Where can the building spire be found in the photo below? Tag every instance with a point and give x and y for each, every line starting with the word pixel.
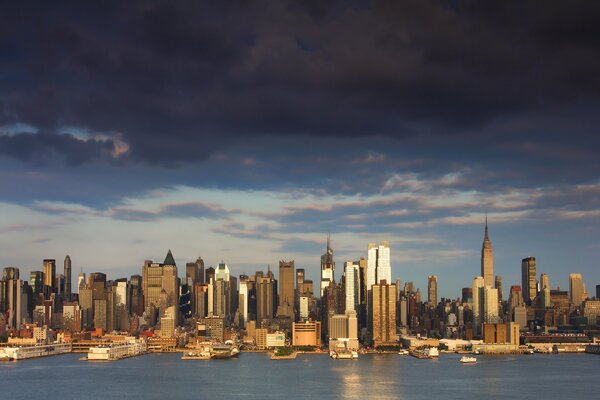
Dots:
pixel 486 237
pixel 328 240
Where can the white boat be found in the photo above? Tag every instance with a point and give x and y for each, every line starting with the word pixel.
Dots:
pixel 343 354
pixel 426 352
pixel 468 360
pixel 403 352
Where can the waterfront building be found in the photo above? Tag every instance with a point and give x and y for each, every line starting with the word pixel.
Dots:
pixel 338 326
pixel 591 311
pixel 494 333
pixel 211 328
pixel 261 338
pixel 487 259
pixel 327 267
pixel 286 290
pixel 432 289
pixel 512 333
pixel 275 339
pixel 167 323
pixel 68 275
pixel 306 333
pixel 384 313
pixel 529 279
pixel 576 289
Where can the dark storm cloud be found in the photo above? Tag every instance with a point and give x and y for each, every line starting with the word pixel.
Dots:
pixel 39 148
pixel 182 80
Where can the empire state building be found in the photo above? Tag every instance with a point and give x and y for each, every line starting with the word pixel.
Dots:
pixel 487 259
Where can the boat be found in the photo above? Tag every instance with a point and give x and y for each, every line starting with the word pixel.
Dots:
pixel 224 351
pixel 426 352
pixel 468 360
pixel 196 355
pixel 343 354
pixel 403 352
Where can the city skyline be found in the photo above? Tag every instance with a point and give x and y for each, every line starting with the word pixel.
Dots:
pixel 315 273
pixel 172 129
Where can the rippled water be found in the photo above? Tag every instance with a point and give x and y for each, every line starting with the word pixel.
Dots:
pixel 166 376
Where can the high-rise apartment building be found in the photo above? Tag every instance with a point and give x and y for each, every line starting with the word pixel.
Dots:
pixel 487 259
pixel 529 279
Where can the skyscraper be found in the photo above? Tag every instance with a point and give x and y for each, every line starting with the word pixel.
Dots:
pixel 378 263
pixel 14 298
pixel 432 289
pixel 50 275
pixel 576 289
pixel 529 279
pixel 498 285
pixel 352 285
pixel 243 300
pixel 487 259
pixel 478 304
pixel 490 304
pixel 286 289
pixel 327 266
pixel 36 281
pixel 265 298
pixel 67 273
pixel 160 284
pixel 384 313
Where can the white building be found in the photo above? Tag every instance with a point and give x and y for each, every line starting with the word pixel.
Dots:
pixel 478 304
pixel 352 283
